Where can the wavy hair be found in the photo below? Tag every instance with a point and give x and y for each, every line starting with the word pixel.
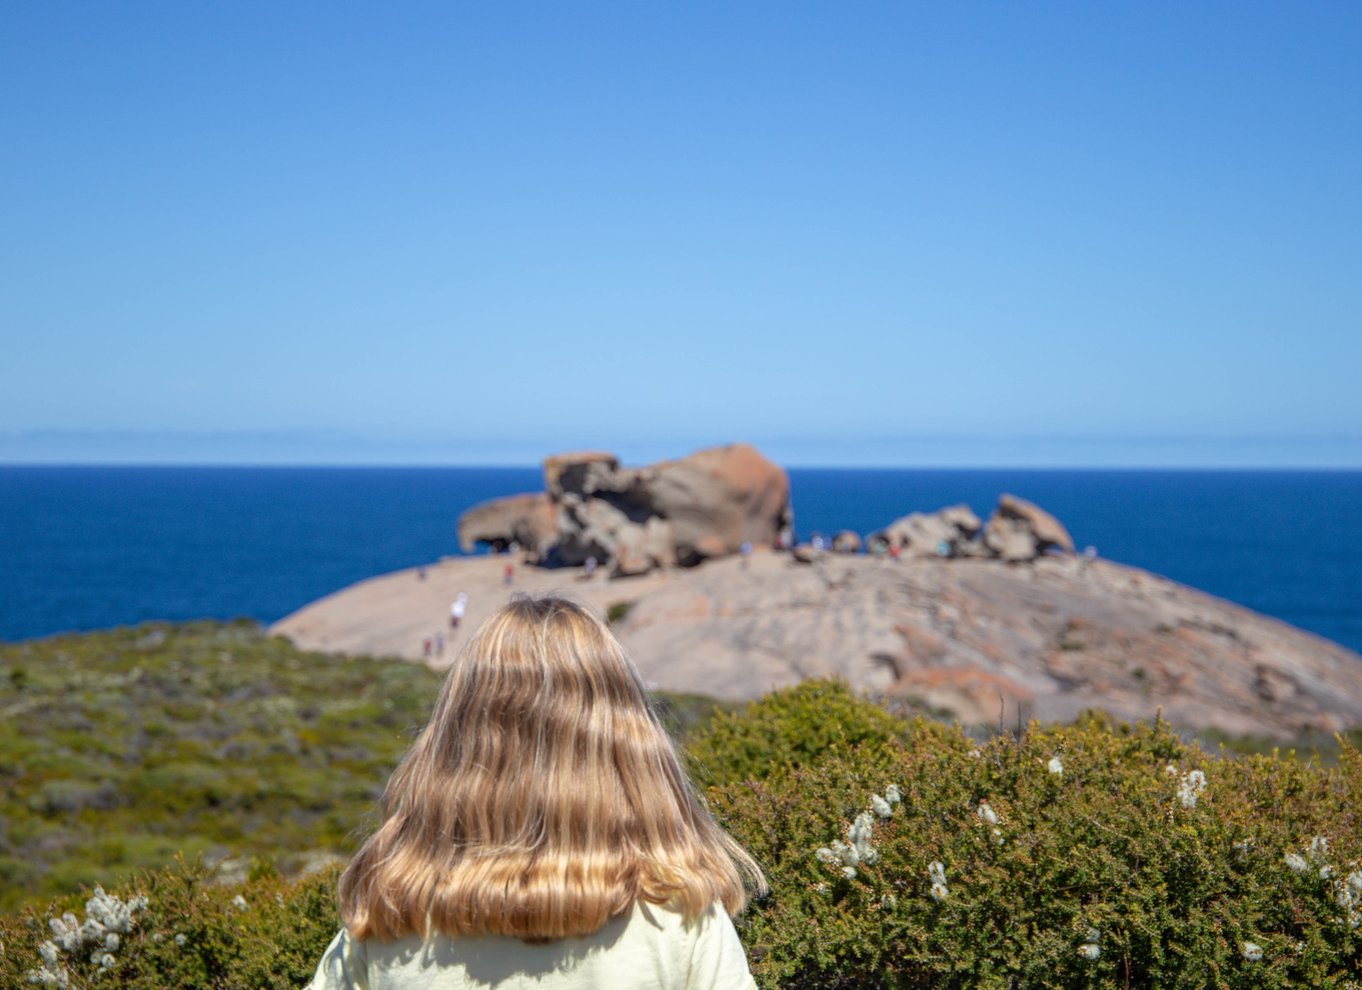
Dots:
pixel 542 799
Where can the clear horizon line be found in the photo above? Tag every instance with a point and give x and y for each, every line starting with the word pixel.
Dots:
pixel 793 465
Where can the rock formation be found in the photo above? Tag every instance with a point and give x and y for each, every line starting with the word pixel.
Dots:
pixel 635 520
pixel 923 534
pixel 526 520
pixel 1019 530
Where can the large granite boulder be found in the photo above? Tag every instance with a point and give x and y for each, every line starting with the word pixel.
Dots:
pixel 636 519
pixel 1019 530
pixel 528 520
pixel 925 534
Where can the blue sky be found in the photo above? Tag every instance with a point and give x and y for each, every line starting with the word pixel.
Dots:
pixel 865 234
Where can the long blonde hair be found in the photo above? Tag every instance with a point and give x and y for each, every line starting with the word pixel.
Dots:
pixel 542 799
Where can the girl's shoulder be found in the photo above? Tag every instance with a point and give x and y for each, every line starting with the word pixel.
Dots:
pixel 649 946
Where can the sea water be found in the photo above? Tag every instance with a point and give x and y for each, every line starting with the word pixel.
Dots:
pixel 92 547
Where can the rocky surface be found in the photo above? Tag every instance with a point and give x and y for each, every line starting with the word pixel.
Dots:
pixel 979 639
pixel 636 520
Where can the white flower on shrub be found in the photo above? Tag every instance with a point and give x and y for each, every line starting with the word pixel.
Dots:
pixel 1319 848
pixel 1171 769
pixel 880 806
pixel 1191 786
pixel 1348 896
pixel 856 850
pixel 859 835
pixel 181 940
pixel 1296 862
pixel 891 794
pixel 1055 766
pixel 986 813
pixel 1252 951
pixel 239 902
pixel 936 873
pixel 106 919
pixel 1241 850
pixel 1092 945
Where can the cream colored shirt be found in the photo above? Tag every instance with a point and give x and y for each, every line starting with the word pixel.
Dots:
pixel 650 948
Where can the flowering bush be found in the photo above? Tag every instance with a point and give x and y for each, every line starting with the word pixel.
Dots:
pixel 1085 856
pixel 171 929
pixel 900 854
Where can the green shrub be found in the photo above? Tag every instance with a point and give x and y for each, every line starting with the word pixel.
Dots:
pixel 1087 856
pixel 183 932
pixel 789 728
pixel 1096 855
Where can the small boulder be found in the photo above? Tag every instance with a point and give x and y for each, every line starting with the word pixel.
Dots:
pixel 1019 530
pixel 846 542
pixel 528 520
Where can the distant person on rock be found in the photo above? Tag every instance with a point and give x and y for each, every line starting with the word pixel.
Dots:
pixel 542 833
pixel 590 567
pixel 508 575
pixel 457 609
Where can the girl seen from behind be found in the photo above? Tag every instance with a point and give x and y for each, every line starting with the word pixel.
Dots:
pixel 541 833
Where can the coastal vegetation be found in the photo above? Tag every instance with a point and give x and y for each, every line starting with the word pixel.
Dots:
pixel 121 749
pixel 902 852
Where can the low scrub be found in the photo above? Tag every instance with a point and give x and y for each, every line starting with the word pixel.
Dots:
pixel 901 853
pixel 174 929
pixel 1094 855
pixel 122 748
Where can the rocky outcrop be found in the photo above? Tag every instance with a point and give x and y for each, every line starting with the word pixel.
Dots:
pixel 975 639
pixel 944 533
pixel 635 520
pixel 1019 530
pixel 528 521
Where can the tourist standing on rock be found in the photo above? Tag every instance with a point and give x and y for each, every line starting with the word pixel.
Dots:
pixel 457 609
pixel 541 833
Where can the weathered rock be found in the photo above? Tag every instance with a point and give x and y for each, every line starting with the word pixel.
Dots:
pixel 923 534
pixel 1019 530
pixel 846 542
pixel 528 520
pixel 636 519
pixel 717 499
pixel 580 473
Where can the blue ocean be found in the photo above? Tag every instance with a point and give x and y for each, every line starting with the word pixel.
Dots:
pixel 91 547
